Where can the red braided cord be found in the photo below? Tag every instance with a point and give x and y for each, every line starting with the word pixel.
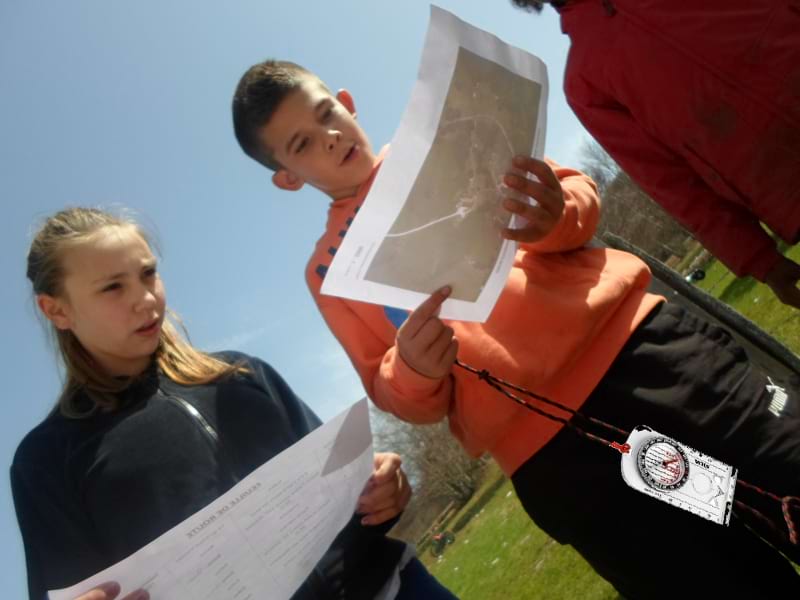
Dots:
pixel 500 385
pixel 786 502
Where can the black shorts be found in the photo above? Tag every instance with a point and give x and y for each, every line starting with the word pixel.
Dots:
pixel 689 380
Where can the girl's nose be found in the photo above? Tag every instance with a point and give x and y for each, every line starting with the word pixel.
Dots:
pixel 146 300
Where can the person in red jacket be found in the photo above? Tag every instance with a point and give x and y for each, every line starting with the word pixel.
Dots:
pixel 699 103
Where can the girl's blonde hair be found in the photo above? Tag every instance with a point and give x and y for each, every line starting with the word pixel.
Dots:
pixel 175 356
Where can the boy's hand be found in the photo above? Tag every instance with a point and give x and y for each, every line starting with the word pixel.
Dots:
pixel 425 343
pixel 547 193
pixel 387 492
pixel 109 591
pixel 783 280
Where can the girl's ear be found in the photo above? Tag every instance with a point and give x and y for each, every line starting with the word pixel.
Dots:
pixel 55 311
pixel 347 101
pixel 286 180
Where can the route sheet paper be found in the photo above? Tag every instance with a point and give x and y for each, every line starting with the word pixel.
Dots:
pixel 433 215
pixel 263 537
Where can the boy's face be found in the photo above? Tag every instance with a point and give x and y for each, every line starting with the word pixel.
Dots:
pixel 316 138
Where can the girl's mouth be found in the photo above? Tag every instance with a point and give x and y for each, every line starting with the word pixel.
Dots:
pixel 150 328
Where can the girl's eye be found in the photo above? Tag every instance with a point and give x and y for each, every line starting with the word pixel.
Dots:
pixel 150 272
pixel 301 146
pixel 327 114
pixel 112 286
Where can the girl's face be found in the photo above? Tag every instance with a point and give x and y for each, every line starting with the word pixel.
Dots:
pixel 113 300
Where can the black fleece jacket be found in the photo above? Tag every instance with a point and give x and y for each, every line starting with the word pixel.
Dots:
pixel 90 492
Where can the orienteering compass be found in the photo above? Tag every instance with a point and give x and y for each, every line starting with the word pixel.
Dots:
pixel 664 469
pixel 663 464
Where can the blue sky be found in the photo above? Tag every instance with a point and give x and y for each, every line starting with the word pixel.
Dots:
pixel 128 104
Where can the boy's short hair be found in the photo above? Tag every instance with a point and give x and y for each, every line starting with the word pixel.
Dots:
pixel 260 91
pixel 538 5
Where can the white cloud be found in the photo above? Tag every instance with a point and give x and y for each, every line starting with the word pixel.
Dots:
pixel 239 340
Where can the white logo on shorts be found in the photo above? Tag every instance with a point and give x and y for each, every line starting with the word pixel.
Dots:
pixel 779 397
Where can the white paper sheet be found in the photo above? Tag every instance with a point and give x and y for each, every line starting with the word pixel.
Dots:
pixel 433 215
pixel 263 537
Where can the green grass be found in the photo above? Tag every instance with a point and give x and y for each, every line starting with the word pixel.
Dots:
pixel 756 301
pixel 500 553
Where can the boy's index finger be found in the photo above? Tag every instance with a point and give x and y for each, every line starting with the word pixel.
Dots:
pixel 426 310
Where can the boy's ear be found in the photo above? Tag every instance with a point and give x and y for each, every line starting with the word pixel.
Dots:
pixel 347 101
pixel 54 311
pixel 286 180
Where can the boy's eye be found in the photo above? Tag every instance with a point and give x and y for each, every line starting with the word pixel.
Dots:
pixel 301 145
pixel 150 272
pixel 112 286
pixel 327 114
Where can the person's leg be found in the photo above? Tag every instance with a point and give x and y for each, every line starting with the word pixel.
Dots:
pixel 574 491
pixel 689 379
pixel 416 583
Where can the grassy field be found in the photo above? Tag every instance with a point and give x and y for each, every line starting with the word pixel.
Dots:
pixel 498 552
pixel 756 301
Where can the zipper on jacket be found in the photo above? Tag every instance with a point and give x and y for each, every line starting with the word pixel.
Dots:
pixel 195 415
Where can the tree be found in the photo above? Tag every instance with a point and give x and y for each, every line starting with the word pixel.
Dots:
pixel 439 470
pixel 436 463
pixel 598 164
pixel 628 211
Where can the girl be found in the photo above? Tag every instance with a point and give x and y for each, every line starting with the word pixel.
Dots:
pixel 148 430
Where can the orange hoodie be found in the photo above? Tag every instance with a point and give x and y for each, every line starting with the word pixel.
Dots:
pixel 563 316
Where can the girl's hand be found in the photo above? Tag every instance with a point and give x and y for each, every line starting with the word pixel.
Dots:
pixel 387 492
pixel 109 591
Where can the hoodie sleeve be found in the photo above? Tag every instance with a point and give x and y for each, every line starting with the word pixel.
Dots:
pixel 579 219
pixel 368 338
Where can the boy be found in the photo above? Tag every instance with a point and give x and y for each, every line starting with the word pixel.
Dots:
pixel 573 324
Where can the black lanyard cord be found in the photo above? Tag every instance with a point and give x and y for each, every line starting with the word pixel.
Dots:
pixel 787 503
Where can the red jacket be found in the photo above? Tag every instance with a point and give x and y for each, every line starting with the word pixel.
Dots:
pixel 699 102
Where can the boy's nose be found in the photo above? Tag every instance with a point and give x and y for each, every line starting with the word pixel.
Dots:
pixel 332 139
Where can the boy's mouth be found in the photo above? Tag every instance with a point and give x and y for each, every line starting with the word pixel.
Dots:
pixel 351 154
